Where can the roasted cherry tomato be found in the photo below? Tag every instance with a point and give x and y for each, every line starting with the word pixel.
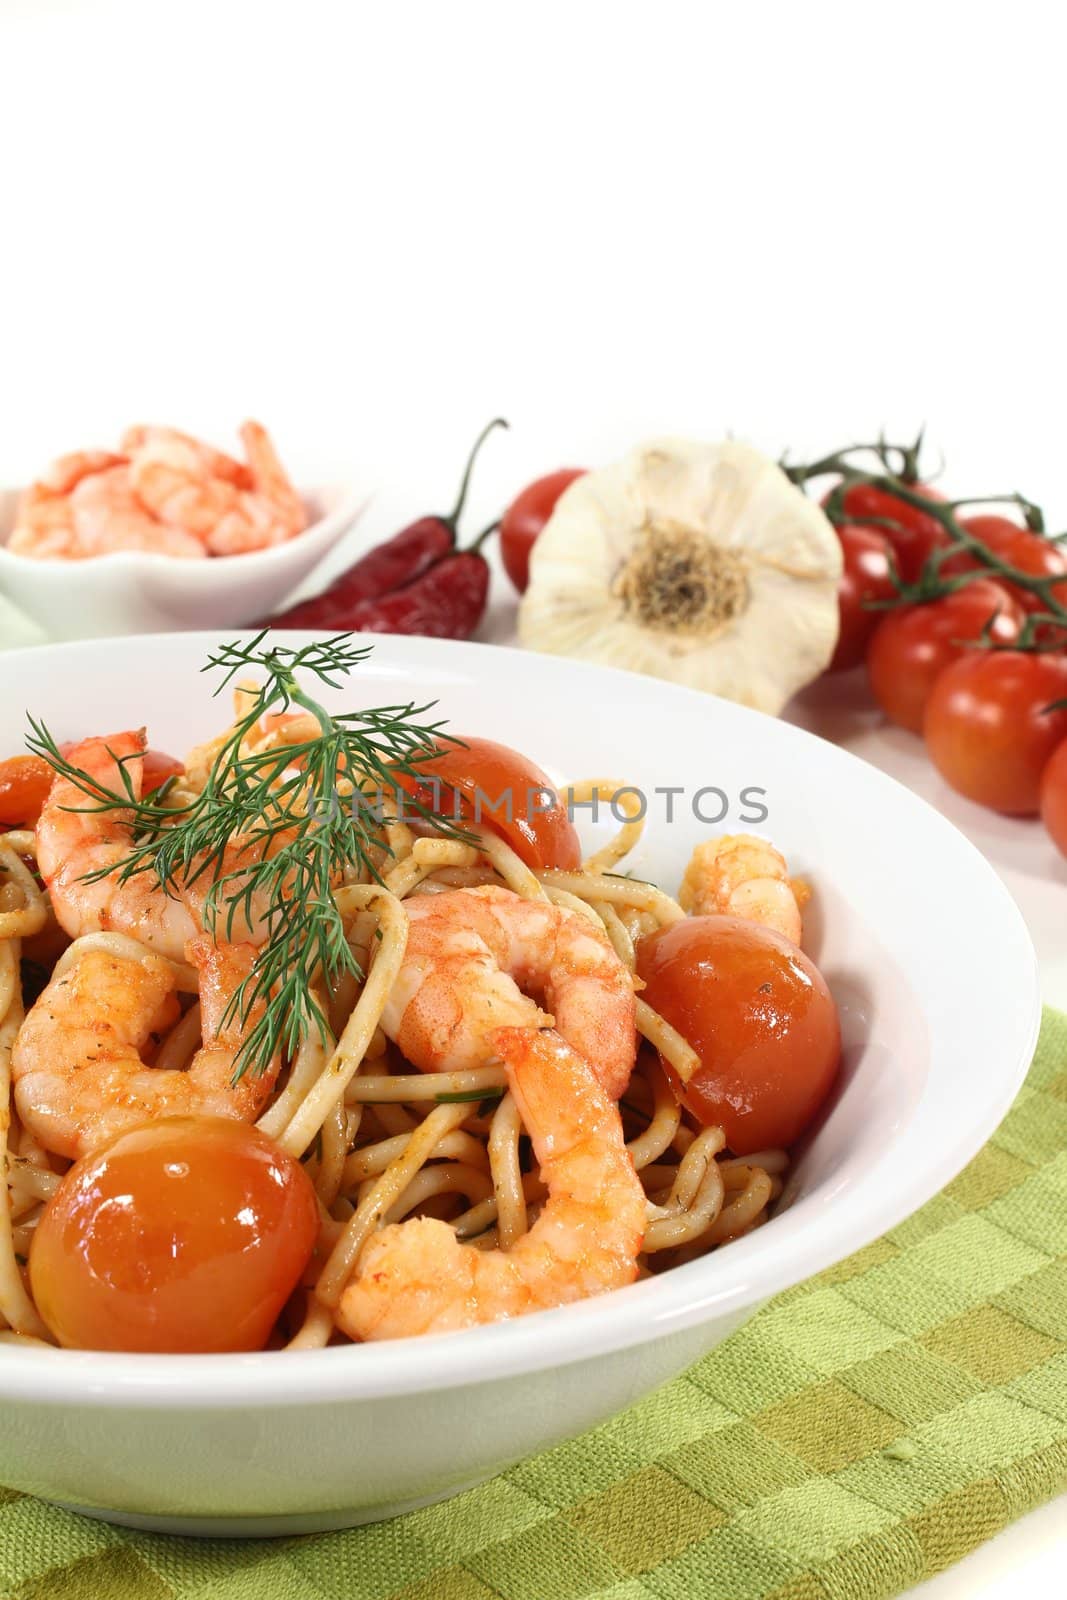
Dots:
pixel 26 780
pixel 486 782
pixel 988 727
pixel 759 1015
pixel 1020 547
pixel 866 576
pixel 524 519
pixel 913 534
pixel 156 768
pixel 24 785
pixel 185 1235
pixel 913 644
pixel 1054 797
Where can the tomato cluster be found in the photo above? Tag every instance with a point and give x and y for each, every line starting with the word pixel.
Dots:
pixel 993 715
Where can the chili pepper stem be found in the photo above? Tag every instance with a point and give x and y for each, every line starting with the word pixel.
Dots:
pixel 454 515
pixel 476 548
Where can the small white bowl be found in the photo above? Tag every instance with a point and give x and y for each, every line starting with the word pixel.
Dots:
pixel 131 591
pixel 935 979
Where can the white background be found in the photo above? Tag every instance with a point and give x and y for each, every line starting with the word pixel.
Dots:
pixel 374 227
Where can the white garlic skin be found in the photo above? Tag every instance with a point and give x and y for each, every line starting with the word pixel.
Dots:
pixel 743 503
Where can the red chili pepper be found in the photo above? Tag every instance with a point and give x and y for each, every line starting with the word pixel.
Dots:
pixel 445 603
pixel 389 567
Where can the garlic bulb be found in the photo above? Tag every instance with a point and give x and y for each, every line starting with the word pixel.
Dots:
pixel 695 562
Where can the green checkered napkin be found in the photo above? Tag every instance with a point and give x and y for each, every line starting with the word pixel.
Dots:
pixel 864 1431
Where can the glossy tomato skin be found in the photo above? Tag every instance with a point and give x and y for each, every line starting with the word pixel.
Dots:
pixel 492 784
pixel 912 645
pixel 185 1235
pixel 156 768
pixel 988 730
pixel 526 516
pixel 1021 548
pixel 25 782
pixel 1054 797
pixel 24 785
pixel 914 534
pixel 866 575
pixel 759 1015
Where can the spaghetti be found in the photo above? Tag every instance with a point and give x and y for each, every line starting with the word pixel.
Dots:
pixel 381 1141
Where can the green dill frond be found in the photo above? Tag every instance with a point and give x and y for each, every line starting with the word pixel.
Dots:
pixel 275 828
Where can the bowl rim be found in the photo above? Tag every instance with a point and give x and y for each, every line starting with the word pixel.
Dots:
pixel 720 1285
pixel 352 502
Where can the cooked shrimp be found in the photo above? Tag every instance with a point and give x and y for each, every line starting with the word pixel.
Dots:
pixel 470 955
pixel 80 1079
pixel 169 477
pixel 108 516
pixel 68 471
pixel 416 1277
pixel 44 526
pixel 740 875
pixel 166 492
pixel 44 521
pixel 270 513
pixel 214 463
pixel 75 841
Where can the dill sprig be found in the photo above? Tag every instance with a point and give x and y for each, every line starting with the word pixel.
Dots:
pixel 273 830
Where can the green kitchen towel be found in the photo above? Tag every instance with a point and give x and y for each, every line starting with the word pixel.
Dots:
pixel 862 1432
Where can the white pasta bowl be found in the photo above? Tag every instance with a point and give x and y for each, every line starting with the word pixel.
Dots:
pixel 936 981
pixel 133 591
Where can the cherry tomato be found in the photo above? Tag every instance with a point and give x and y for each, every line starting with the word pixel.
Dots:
pixel 486 782
pixel 26 780
pixel 988 729
pixel 914 533
pixel 1054 797
pixel 156 768
pixel 759 1015
pixel 24 785
pixel 1020 547
pixel 526 516
pixel 912 645
pixel 866 576
pixel 185 1235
